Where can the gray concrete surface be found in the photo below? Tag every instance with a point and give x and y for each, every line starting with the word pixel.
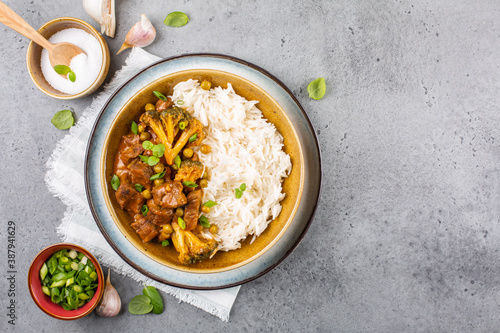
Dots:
pixel 407 234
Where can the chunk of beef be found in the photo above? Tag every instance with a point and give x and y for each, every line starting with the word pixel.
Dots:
pixel 163 105
pixel 192 209
pixel 169 195
pixel 130 147
pixel 144 228
pixel 140 173
pixel 128 198
pixel 158 215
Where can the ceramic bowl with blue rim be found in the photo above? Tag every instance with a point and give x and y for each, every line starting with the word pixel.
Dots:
pixel 302 187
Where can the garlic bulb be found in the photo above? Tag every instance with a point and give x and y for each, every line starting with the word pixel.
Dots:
pixel 142 34
pixel 110 304
pixel 103 12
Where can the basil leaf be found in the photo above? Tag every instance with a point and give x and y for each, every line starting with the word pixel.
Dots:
pixel 210 203
pixel 155 297
pixel 165 243
pixel 243 186
pixel 176 19
pixel 134 128
pixel 317 88
pixel 63 119
pixel 144 210
pixel 193 137
pixel 181 223
pixel 144 158
pixel 153 160
pixel 138 187
pixel 140 304
pixel 62 69
pixel 115 182
pixel 148 145
pixel 157 176
pixel 177 161
pixel 189 184
pixel 72 76
pixel 158 150
pixel 160 95
pixel 238 193
pixel 204 221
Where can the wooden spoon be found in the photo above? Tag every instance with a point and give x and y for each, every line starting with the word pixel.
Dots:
pixel 59 53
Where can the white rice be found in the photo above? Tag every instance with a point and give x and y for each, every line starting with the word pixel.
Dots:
pixel 246 148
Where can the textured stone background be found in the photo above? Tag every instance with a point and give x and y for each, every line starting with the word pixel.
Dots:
pixel 407 233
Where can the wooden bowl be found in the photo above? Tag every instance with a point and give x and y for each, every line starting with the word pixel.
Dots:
pixel 44 302
pixel 34 53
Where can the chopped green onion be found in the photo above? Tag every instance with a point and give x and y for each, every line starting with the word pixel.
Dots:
pixel 210 203
pixel 134 127
pixel 160 95
pixel 46 290
pixel 165 243
pixel 115 182
pixel 138 187
pixel 181 223
pixel 204 221
pixel 188 183
pixel 157 176
pixel 70 281
pixel 144 210
pixel 177 161
pixel 74 266
pixel 182 125
pixel 193 137
pixel 72 254
pixel 43 271
pixel 180 102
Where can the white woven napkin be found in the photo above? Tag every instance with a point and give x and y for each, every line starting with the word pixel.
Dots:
pixel 65 180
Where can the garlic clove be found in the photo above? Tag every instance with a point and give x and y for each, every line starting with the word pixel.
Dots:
pixel 103 12
pixel 141 34
pixel 111 303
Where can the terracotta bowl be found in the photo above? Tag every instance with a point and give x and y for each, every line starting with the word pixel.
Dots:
pixel 43 301
pixel 35 51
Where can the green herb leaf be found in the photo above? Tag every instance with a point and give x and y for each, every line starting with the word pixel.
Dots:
pixel 148 145
pixel 144 210
pixel 243 186
pixel 165 243
pixel 72 76
pixel 62 69
pixel 158 150
pixel 153 160
pixel 176 19
pixel 180 102
pixel 210 203
pixel 115 182
pixel 160 95
pixel 238 193
pixel 204 221
pixel 144 158
pixel 189 183
pixel 181 223
pixel 63 119
pixel 138 187
pixel 317 88
pixel 177 161
pixel 182 125
pixel 155 297
pixel 139 305
pixel 134 128
pixel 193 137
pixel 157 176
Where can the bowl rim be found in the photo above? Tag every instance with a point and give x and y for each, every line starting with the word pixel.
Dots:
pixel 154 276
pixel 90 256
pixel 102 71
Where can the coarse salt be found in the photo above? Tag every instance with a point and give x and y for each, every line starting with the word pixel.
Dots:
pixel 85 66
